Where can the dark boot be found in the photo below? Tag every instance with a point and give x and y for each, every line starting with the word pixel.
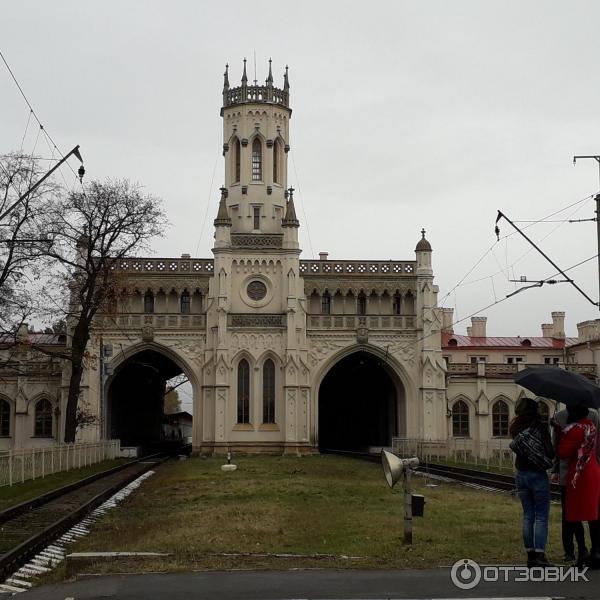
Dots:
pixel 531 557
pixel 541 561
pixel 582 557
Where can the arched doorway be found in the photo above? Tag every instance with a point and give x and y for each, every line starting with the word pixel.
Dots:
pixel 358 404
pixel 136 401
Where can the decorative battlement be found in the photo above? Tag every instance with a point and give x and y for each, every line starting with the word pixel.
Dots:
pixel 245 94
pixel 358 268
pixel 256 94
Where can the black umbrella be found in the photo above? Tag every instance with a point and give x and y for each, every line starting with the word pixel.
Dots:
pixel 564 386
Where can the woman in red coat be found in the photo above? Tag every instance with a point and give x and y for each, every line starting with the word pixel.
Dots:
pixel 577 443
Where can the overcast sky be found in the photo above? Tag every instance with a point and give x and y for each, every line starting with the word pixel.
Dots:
pixel 406 115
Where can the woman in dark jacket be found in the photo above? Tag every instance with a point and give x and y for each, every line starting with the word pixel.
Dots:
pixel 533 485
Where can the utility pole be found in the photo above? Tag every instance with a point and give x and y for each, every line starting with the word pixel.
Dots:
pixel 597 219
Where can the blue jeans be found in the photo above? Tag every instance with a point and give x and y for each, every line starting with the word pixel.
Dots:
pixel 533 488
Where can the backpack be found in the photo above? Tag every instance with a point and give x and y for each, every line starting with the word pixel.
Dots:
pixel 529 445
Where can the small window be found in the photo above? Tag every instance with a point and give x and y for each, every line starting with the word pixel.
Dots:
pixel 237 152
pixel 148 302
pixel 276 158
pixel 361 304
pixel 326 304
pixel 478 359
pixel 4 418
pixel 269 391
pixel 243 392
pixel 256 160
pixel 186 302
pixel 43 418
pixel 500 419
pixel 256 216
pixel 513 360
pixel 397 304
pixel 551 360
pixel 460 419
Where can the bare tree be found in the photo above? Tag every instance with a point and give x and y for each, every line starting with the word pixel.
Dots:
pixel 91 231
pixel 22 242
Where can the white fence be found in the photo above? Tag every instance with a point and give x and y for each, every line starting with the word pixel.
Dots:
pixel 493 453
pixel 20 465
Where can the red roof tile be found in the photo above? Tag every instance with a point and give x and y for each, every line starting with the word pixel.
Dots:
pixel 522 343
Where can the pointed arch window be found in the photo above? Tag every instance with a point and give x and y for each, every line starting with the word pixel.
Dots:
pixel 186 303
pixel 276 161
pixel 361 304
pixel 237 160
pixel 243 392
pixel 4 418
pixel 397 304
pixel 43 418
pixel 148 302
pixel 460 419
pixel 500 419
pixel 269 391
pixel 326 304
pixel 256 160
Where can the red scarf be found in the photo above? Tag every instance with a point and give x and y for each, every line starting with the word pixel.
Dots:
pixel 584 452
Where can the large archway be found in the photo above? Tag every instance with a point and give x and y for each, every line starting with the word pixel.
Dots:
pixel 136 401
pixel 358 404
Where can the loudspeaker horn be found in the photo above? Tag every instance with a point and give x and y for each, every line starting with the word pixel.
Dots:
pixel 392 467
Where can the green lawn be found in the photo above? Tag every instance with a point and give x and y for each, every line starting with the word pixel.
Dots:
pixel 20 492
pixel 323 507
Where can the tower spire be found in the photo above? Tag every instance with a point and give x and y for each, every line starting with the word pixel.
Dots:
pixel 286 83
pixel 226 78
pixel 244 76
pixel 223 219
pixel 270 77
pixel 290 219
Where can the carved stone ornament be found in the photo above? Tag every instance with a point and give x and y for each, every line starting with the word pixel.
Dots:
pixel 362 335
pixel 256 321
pixel 256 290
pixel 148 333
pixel 259 240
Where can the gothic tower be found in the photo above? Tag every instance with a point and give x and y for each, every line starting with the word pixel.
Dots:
pixel 256 329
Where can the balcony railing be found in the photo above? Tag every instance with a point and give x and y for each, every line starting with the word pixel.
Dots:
pixel 358 268
pixel 199 266
pixel 155 320
pixel 503 370
pixel 355 321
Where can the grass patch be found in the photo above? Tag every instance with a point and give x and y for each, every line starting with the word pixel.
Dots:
pixel 20 492
pixel 324 506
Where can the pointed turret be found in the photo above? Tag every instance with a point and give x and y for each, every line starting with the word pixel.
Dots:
pixel 286 82
pixel 225 84
pixel 223 219
pixel 270 77
pixel 290 219
pixel 244 76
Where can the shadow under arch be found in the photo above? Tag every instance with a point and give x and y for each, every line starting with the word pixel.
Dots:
pixel 134 395
pixel 361 400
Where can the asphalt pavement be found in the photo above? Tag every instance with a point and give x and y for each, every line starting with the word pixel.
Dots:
pixel 306 584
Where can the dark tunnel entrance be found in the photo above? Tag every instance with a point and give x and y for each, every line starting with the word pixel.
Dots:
pixel 136 398
pixel 358 405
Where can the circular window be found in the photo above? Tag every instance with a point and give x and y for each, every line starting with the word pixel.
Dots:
pixel 256 290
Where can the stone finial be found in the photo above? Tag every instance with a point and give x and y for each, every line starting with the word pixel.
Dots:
pixel 244 76
pixel 270 77
pixel 223 219
pixel 226 78
pixel 286 82
pixel 423 245
pixel 290 219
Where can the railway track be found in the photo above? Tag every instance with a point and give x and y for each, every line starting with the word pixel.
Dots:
pixel 28 528
pixel 484 480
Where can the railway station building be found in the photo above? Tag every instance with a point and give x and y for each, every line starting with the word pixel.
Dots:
pixel 284 355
